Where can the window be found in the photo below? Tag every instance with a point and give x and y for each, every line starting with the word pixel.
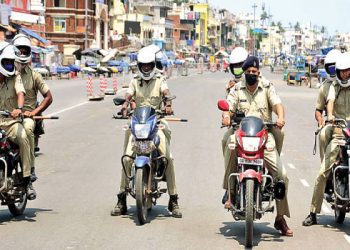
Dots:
pixel 59 25
pixel 59 3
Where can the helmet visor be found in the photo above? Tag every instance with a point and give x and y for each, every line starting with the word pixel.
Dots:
pixel 24 51
pixel 343 75
pixel 330 69
pixel 8 64
pixel 146 68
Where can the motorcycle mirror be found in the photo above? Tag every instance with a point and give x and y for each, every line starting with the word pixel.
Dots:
pixel 169 98
pixel 223 105
pixel 118 101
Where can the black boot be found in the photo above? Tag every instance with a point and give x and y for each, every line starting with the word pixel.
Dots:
pixel 31 194
pixel 310 220
pixel 173 206
pixel 121 207
pixel 33 176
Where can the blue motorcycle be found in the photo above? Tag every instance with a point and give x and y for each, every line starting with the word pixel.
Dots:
pixel 148 165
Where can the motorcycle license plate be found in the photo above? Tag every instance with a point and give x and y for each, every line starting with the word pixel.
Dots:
pixel 257 162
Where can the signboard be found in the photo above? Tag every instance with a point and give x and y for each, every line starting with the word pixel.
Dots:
pixel 81 29
pixel 5 12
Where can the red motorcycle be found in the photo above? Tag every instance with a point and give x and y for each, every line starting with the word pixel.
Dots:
pixel 254 188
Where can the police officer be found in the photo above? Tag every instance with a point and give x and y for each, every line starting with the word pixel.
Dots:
pixel 33 83
pixel 339 94
pixel 325 134
pixel 257 97
pixel 12 98
pixel 237 58
pixel 149 89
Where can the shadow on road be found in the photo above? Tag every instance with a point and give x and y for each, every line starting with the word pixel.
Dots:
pixel 262 232
pixel 29 215
pixel 158 212
pixel 329 222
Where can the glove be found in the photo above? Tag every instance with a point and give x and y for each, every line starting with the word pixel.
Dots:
pixel 169 110
pixel 226 119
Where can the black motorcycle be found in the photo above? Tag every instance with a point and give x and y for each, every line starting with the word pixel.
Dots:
pixel 338 185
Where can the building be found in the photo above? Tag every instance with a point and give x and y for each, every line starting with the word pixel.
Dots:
pixel 66 23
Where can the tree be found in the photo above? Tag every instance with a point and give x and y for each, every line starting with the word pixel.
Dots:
pixel 323 29
pixel 279 25
pixel 273 24
pixel 264 16
pixel 297 27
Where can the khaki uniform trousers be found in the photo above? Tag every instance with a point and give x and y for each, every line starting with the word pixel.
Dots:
pixel 274 165
pixel 324 137
pixel 164 148
pixel 29 125
pixel 330 156
pixel 17 134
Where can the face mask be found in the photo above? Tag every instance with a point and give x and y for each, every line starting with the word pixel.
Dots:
pixel 9 67
pixel 238 72
pixel 251 79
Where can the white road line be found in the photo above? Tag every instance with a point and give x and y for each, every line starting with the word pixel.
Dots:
pixel 291 166
pixel 282 154
pixel 325 209
pixel 70 108
pixel 347 237
pixel 304 182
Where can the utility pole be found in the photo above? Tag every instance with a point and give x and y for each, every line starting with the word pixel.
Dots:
pixel 254 7
pixel 86 24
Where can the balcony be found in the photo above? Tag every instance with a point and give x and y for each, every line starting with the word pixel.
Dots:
pixel 154 3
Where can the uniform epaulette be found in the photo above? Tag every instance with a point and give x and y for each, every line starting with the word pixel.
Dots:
pixel 267 84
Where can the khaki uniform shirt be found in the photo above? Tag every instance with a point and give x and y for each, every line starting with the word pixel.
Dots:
pixel 259 104
pixel 341 99
pixel 148 93
pixel 322 95
pixel 8 96
pixel 32 82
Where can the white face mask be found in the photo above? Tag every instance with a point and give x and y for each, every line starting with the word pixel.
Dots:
pixel 344 84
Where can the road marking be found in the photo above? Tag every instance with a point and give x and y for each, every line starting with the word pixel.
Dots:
pixel 347 237
pixel 325 209
pixel 282 154
pixel 291 166
pixel 304 182
pixel 70 108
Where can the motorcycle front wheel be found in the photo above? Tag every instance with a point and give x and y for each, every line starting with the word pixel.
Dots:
pixel 140 192
pixel 249 212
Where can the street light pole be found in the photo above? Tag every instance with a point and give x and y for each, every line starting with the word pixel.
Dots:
pixel 86 25
pixel 254 7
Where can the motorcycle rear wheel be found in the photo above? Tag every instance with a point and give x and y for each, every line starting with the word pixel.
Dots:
pixel 140 192
pixel 18 208
pixel 249 212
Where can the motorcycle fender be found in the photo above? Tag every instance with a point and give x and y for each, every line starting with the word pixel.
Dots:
pixel 142 161
pixel 250 174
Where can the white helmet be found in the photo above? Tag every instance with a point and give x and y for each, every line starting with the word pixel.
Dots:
pixel 21 42
pixel 330 60
pixel 343 63
pixel 159 56
pixel 237 58
pixel 146 56
pixel 7 59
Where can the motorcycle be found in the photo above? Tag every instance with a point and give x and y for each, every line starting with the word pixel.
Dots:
pixel 149 166
pixel 338 184
pixel 12 185
pixel 254 185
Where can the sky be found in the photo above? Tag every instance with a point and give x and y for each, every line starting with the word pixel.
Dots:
pixel 333 14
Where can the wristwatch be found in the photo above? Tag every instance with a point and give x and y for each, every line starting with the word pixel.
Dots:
pixel 19 107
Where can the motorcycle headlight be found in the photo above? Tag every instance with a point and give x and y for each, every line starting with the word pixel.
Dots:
pixel 250 144
pixel 142 131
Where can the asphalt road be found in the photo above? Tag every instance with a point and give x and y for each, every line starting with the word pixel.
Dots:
pixel 79 172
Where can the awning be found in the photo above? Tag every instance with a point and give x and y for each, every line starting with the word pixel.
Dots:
pixel 31 34
pixel 259 31
pixel 25 17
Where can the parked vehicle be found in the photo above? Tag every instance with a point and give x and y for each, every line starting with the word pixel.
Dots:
pixel 254 188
